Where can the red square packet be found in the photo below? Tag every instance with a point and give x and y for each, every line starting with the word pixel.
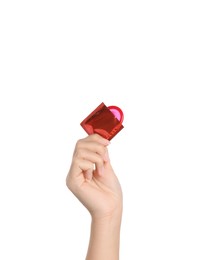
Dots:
pixel 105 121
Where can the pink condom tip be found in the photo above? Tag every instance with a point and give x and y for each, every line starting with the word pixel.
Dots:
pixel 117 112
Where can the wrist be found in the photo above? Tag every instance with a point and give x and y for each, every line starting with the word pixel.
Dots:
pixel 111 216
pixel 108 222
pixel 105 237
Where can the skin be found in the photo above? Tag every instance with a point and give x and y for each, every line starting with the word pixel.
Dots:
pixel 92 180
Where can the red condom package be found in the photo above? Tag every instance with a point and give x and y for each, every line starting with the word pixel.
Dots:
pixel 105 121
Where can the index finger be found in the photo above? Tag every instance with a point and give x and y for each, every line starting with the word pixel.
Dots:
pixel 97 138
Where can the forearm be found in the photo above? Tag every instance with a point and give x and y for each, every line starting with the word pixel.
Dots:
pixel 105 238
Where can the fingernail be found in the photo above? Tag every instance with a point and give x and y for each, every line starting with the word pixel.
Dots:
pixel 88 175
pixel 101 171
pixel 106 157
pixel 107 142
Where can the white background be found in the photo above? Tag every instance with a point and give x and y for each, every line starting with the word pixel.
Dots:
pixel 61 59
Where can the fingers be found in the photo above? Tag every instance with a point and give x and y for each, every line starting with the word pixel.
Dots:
pixel 88 174
pixel 90 152
pixel 96 138
pixel 86 158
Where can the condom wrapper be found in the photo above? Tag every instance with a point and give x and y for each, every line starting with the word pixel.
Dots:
pixel 105 121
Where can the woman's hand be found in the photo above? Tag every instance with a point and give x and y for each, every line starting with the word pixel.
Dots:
pixel 92 179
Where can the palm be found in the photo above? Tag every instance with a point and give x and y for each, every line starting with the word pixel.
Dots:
pixel 102 194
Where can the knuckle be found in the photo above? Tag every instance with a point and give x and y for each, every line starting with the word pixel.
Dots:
pixel 79 143
pixel 78 153
pixel 99 160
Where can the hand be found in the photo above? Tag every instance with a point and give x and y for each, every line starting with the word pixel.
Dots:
pixel 92 180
